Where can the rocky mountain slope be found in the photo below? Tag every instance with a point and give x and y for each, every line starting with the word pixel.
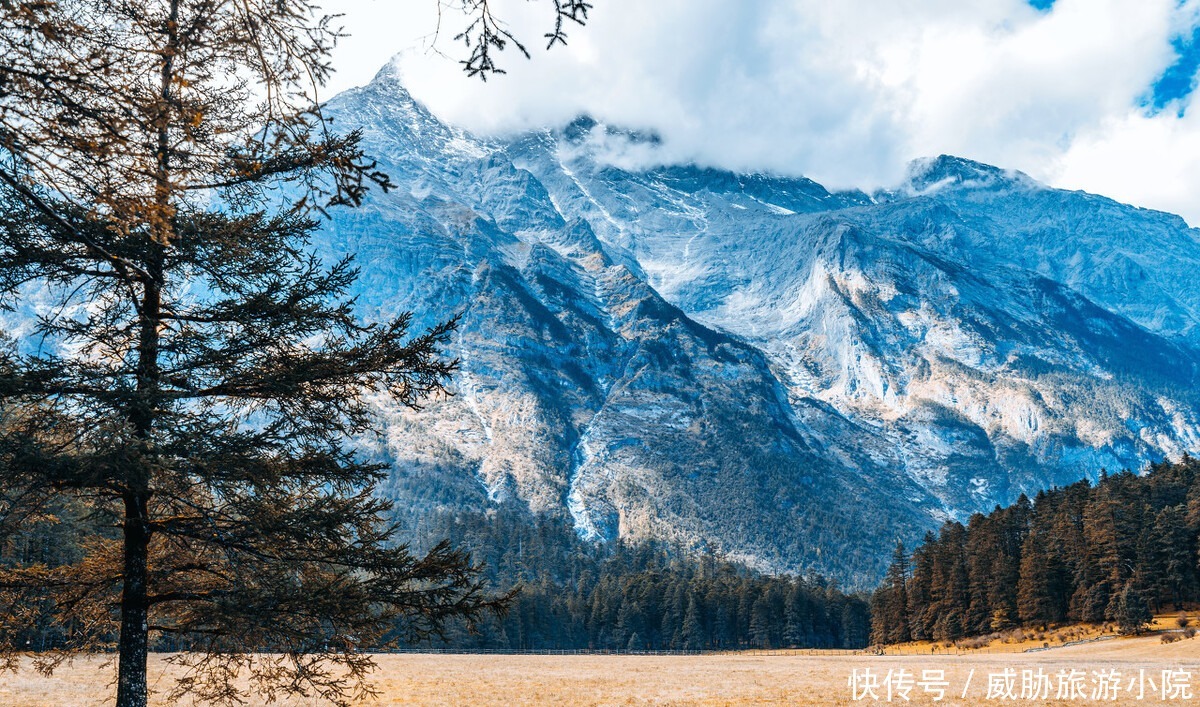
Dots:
pixel 752 364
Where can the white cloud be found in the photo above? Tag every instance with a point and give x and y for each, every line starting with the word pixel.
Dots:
pixel 1148 161
pixel 844 92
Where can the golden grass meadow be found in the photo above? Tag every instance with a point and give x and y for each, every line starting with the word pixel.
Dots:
pixel 709 680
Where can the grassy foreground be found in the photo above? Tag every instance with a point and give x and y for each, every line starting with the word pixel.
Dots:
pixel 728 679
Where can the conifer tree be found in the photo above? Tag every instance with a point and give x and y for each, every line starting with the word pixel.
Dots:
pixel 761 623
pixel 692 631
pixel 889 603
pixel 197 374
pixel 1061 524
pixel 920 599
pixel 1131 612
pixel 1035 595
pixel 1170 564
pixel 1099 573
pixel 1006 568
pixel 983 554
pixel 949 591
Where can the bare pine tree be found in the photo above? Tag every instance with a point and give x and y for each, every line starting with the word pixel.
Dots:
pixel 196 372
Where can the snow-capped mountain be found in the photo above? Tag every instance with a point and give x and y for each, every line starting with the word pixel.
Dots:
pixel 752 364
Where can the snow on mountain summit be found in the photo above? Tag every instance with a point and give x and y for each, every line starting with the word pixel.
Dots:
pixel 926 175
pixel 754 364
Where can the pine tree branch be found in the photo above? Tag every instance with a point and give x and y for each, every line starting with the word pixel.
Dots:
pixel 38 203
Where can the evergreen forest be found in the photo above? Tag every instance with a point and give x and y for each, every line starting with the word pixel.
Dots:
pixel 1118 550
pixel 1115 551
pixel 566 593
pixel 575 594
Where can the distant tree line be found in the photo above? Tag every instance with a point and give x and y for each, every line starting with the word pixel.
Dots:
pixel 1113 552
pixel 569 593
pixel 577 594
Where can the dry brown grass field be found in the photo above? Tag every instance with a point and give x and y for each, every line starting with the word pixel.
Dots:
pixel 725 679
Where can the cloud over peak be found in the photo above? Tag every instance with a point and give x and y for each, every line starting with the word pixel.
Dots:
pixel 1089 94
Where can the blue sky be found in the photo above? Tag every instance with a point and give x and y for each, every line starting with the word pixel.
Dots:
pixel 1082 94
pixel 1178 82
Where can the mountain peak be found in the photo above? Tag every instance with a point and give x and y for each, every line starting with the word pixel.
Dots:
pixel 390 80
pixel 930 174
pixel 585 128
pixel 749 363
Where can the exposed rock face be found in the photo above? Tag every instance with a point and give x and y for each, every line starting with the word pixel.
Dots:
pixel 753 364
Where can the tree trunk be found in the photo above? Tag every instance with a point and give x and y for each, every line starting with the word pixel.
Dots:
pixel 134 642
pixel 133 647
